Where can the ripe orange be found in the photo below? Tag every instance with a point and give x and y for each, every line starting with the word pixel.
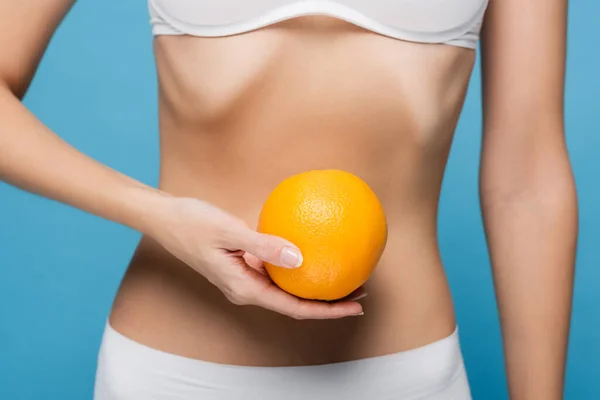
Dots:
pixel 339 225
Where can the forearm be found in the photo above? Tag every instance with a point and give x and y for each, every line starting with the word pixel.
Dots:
pixel 530 216
pixel 33 158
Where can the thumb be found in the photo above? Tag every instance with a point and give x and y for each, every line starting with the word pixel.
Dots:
pixel 271 249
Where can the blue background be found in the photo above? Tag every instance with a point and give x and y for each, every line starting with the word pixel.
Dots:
pixel 60 267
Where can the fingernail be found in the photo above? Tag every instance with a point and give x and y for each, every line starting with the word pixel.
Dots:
pixel 361 313
pixel 362 296
pixel 291 258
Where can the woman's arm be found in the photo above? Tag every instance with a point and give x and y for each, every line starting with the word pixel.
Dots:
pixel 215 244
pixel 527 190
pixel 31 156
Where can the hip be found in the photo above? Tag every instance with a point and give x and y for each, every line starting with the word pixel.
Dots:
pixel 166 305
pixel 128 370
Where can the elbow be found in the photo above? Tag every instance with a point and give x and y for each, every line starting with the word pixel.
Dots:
pixel 534 199
pixel 542 179
pixel 13 87
pixel 542 195
pixel 547 200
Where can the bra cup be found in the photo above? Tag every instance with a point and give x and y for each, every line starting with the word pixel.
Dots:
pixel 420 20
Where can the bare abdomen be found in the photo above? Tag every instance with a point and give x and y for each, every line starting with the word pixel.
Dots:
pixel 240 114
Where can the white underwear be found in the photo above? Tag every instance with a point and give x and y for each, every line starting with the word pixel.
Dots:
pixel 128 370
pixel 453 22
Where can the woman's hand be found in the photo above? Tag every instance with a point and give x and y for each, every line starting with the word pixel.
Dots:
pixel 35 159
pixel 230 255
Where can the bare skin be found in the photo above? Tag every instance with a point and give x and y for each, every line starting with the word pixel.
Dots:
pixel 239 114
pixel 226 121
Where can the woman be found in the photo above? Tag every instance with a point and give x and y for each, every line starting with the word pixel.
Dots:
pixel 253 92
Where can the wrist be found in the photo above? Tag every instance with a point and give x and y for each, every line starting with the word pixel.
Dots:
pixel 148 207
pixel 540 383
pixel 537 394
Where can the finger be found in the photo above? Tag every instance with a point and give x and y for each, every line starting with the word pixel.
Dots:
pixel 269 248
pixel 235 253
pixel 254 262
pixel 358 294
pixel 275 299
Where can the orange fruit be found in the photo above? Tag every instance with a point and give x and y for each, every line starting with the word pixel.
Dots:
pixel 338 224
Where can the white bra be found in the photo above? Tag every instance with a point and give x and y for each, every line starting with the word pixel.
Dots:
pixel 453 22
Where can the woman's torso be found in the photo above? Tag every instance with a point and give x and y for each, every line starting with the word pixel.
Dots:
pixel 237 115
